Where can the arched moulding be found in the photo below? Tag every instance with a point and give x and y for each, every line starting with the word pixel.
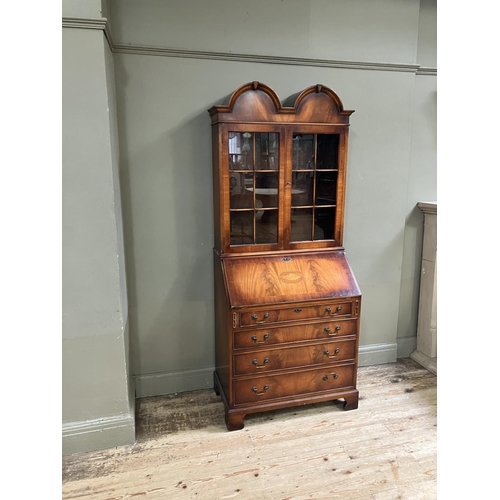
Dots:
pixel 295 101
pixel 257 102
pixel 254 86
pixel 253 101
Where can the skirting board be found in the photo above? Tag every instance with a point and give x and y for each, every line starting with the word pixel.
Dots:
pixel 98 434
pixel 406 345
pixel 377 354
pixel 158 384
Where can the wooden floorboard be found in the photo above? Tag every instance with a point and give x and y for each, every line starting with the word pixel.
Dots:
pixel 384 450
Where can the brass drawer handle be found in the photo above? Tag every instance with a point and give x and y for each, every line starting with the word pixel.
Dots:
pixel 254 389
pixel 254 338
pixel 327 353
pixel 254 361
pixel 327 330
pixel 298 310
pixel 254 316
pixel 334 376
pixel 329 310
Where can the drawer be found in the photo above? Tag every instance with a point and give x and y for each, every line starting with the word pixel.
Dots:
pixel 258 389
pixel 327 310
pixel 265 360
pixel 263 337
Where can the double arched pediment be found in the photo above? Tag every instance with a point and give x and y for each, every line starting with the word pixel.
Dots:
pixel 257 102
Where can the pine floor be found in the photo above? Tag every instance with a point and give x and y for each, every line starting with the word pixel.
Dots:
pixel 384 450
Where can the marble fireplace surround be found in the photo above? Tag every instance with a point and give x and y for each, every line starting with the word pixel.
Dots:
pixel 426 352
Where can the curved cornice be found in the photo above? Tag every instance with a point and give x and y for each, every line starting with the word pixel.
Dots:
pixel 253 86
pixel 138 49
pixel 325 90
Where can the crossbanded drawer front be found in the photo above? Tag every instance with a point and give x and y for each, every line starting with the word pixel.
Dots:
pixel 258 389
pixel 312 331
pixel 266 360
pixel 328 310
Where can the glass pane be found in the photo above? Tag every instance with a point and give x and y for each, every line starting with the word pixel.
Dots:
pixel 326 188
pixel 240 197
pixel 266 226
pixel 328 151
pixel 267 180
pixel 303 152
pixel 324 224
pixel 266 189
pixel 241 200
pixel 266 151
pixel 302 188
pixel 241 224
pixel 301 224
pixel 274 148
pixel 240 151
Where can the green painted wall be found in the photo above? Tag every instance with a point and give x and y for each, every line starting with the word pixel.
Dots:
pixel 166 158
pixel 97 387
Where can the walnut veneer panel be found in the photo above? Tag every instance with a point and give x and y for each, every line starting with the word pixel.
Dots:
pixel 291 334
pixel 265 360
pixel 254 390
pixel 267 315
pixel 277 279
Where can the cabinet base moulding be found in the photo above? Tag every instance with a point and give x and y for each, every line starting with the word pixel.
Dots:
pixel 234 416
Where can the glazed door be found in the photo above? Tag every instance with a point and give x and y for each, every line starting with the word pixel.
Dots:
pixel 254 168
pixel 316 195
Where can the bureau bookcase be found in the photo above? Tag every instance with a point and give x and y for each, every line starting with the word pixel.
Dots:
pixel 287 304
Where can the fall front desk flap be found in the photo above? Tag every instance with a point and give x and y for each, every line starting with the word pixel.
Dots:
pixel 278 279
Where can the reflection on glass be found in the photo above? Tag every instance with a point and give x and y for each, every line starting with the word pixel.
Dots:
pixel 241 226
pixel 266 226
pixel 303 152
pixel 324 224
pixel 266 180
pixel 301 224
pixel 328 149
pixel 326 188
pixel 266 151
pixel 240 151
pixel 241 200
pixel 302 188
pixel 314 185
pixel 240 196
pixel 266 189
pixel 253 186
